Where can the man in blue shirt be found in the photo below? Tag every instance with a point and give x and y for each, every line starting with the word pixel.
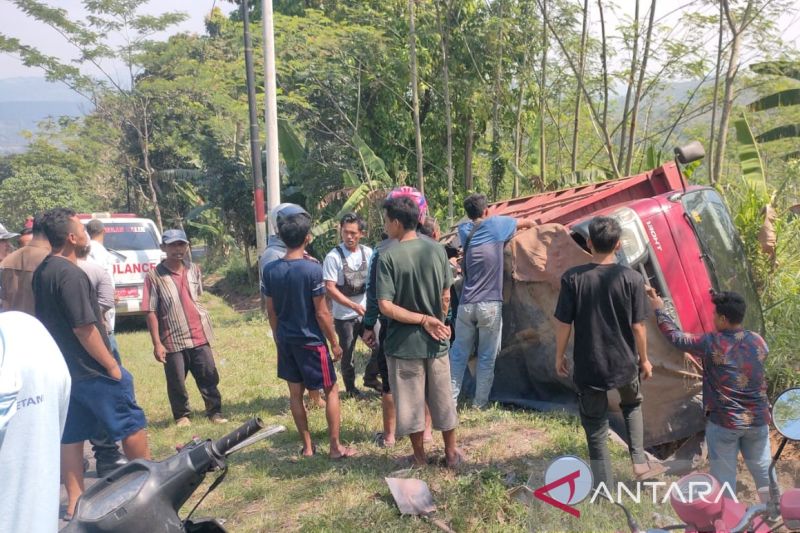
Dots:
pixel 480 309
pixel 301 322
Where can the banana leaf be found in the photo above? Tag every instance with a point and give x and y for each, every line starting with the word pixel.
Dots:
pixel 790 69
pixel 749 156
pixel 781 132
pixel 785 98
pixel 373 165
pixel 291 147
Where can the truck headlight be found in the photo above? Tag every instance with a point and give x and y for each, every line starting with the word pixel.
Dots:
pixel 633 240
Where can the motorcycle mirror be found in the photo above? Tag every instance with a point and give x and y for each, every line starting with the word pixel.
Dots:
pixel 786 413
pixel 693 151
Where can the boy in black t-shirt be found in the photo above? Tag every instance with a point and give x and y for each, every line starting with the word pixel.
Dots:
pixel 608 305
pixel 301 322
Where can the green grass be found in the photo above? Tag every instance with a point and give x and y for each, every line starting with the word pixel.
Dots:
pixel 269 489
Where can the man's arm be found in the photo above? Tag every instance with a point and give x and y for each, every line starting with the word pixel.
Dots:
pixel 525 223
pixel 687 342
pixel 431 324
pixel 337 296
pixel 159 352
pixel 325 321
pixel 92 342
pixel 640 338
pixel 273 318
pixel 105 290
pixel 563 331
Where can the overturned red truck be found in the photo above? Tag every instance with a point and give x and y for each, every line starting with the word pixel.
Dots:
pixel 683 241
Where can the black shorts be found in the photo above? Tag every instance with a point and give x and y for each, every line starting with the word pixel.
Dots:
pixel 383 368
pixel 308 364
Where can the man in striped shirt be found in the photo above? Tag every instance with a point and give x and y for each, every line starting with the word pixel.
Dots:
pixel 180 329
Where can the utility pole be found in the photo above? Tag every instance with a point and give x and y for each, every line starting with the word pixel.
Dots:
pixel 271 108
pixel 255 144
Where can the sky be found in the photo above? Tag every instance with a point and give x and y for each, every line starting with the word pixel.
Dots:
pixel 14 23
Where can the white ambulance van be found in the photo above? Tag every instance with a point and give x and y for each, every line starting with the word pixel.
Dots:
pixel 135 242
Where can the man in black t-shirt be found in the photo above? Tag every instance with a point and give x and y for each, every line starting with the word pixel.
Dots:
pixel 608 305
pixel 102 391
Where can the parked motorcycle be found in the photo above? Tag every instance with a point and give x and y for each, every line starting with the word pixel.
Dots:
pixel 147 495
pixel 708 510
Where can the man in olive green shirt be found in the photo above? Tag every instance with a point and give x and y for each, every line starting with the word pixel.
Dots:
pixel 414 282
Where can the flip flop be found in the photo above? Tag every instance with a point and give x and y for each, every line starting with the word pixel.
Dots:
pixel 654 469
pixel 380 441
pixel 348 453
pixel 313 452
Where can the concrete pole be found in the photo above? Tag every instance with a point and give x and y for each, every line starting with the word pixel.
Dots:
pixel 271 109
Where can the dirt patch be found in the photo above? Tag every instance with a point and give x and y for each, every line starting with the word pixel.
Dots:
pixel 232 294
pixel 501 443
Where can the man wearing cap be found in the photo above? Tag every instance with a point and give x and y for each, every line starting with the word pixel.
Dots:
pixel 5 241
pixel 16 271
pixel 180 329
pixel 276 249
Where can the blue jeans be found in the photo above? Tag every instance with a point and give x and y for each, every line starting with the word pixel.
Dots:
pixel 723 453
pixel 484 319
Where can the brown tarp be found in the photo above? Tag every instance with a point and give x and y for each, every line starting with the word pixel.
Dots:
pixel 525 372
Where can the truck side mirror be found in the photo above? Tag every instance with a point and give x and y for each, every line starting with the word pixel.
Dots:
pixel 693 151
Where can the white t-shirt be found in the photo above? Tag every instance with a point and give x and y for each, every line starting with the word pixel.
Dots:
pixel 100 255
pixel 34 396
pixel 332 270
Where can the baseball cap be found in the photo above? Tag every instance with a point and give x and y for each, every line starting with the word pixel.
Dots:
pixel 5 234
pixel 174 235
pixel 415 195
pixel 279 213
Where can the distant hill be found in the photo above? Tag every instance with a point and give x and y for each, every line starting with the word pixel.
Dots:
pixel 24 102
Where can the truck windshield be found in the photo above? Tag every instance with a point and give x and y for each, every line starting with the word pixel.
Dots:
pixel 725 255
pixel 130 236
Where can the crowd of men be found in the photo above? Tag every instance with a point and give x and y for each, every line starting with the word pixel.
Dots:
pixel 62 381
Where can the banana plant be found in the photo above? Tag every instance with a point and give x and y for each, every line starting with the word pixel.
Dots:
pixel 750 158
pixel 785 98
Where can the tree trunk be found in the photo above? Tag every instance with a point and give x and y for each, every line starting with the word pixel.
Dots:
pixel 144 145
pixel 496 167
pixel 638 95
pixel 468 141
pixel 730 78
pixel 581 66
pixel 711 175
pixel 631 73
pixel 604 58
pixel 518 131
pixel 412 57
pixel 444 42
pixel 542 142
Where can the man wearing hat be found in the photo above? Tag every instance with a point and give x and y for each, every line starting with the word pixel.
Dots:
pixel 276 249
pixel 180 329
pixel 5 241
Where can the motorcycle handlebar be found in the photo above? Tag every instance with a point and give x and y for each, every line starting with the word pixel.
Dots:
pixel 236 436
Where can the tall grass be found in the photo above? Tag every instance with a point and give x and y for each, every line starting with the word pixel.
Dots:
pixel 778 279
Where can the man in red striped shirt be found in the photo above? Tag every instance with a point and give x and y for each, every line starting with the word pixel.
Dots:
pixel 180 329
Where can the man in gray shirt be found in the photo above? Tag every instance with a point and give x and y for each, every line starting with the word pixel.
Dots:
pixel 106 452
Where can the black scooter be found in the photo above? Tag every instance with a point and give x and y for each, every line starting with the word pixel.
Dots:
pixel 146 495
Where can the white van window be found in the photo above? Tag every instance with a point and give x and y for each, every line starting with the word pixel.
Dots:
pixel 130 236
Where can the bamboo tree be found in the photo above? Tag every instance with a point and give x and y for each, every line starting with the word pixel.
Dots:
pixel 717 67
pixel 737 31
pixel 639 84
pixel 576 124
pixel 631 73
pixel 542 92
pixel 444 43
pixel 412 57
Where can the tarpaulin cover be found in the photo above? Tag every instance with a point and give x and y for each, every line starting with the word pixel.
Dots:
pixel 525 371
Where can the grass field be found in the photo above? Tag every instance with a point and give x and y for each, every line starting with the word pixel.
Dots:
pixel 269 488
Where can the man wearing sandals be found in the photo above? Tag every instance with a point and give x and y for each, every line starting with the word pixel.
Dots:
pixel 301 322
pixel 608 305
pixel 413 284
